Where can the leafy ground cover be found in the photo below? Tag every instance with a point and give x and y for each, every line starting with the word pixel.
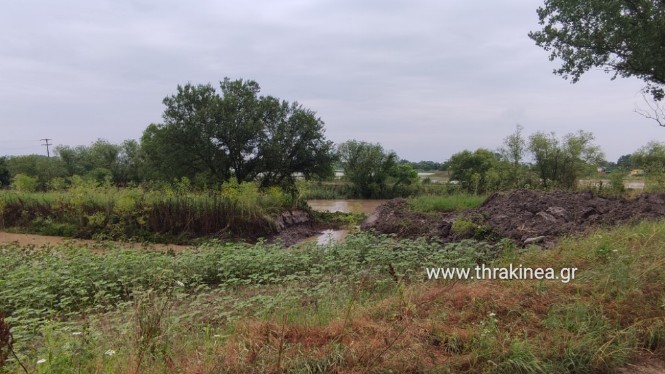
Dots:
pixel 445 203
pixel 364 305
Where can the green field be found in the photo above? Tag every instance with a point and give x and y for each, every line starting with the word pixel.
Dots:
pixel 361 306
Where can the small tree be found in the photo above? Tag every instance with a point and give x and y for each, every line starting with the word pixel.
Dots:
pixel 472 169
pixel 513 151
pixel 625 163
pixel 651 158
pixel 514 147
pixel 561 163
pixel 25 183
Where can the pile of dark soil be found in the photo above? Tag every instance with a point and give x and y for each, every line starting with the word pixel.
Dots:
pixel 525 216
pixel 395 217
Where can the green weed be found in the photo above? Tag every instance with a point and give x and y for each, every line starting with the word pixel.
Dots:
pixel 445 203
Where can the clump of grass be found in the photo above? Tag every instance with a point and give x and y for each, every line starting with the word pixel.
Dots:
pixel 446 203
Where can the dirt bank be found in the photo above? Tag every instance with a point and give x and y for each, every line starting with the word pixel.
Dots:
pixel 526 216
pixel 44 240
pixel 288 227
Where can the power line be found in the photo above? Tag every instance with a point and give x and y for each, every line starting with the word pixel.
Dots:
pixel 47 144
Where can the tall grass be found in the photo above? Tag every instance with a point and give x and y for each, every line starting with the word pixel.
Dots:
pixel 445 203
pixel 239 209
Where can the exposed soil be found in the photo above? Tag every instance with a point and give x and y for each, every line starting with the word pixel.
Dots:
pixel 295 234
pixel 44 240
pixel 526 216
pixel 288 228
pixel 647 365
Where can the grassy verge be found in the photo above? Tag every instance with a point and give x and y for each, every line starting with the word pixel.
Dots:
pixel 445 203
pixel 361 306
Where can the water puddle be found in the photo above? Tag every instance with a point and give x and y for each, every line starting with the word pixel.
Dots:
pixel 344 206
pixel 331 236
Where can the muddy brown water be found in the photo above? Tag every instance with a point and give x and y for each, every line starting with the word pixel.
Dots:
pixel 345 206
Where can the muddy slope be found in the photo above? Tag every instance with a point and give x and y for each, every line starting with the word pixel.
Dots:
pixel 292 227
pixel 525 216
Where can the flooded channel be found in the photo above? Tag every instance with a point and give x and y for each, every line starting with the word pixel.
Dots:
pixel 345 206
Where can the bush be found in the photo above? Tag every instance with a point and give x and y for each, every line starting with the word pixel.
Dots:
pixel 25 183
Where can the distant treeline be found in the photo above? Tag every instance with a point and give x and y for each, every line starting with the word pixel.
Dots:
pixel 211 136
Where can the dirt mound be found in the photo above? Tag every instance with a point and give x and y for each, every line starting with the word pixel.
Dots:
pixel 526 216
pixel 394 217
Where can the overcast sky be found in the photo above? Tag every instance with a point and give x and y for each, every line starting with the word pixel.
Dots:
pixel 424 78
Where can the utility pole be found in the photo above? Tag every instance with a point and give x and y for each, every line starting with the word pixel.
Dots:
pixel 47 144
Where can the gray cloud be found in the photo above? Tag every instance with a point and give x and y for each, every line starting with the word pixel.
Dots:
pixel 425 78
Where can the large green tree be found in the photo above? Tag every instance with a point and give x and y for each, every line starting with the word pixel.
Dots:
pixel 623 37
pixel 213 136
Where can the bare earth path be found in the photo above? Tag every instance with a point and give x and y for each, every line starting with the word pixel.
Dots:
pixel 43 240
pixel 651 365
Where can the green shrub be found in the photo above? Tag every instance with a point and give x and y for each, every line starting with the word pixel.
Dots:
pixel 25 183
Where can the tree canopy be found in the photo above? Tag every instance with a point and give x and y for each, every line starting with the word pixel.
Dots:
pixel 102 160
pixel 623 37
pixel 561 163
pixel 475 170
pixel 213 136
pixel 651 158
pixel 374 172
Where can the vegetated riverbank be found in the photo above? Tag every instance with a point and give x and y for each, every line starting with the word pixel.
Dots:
pixel 237 212
pixel 365 305
pixel 525 216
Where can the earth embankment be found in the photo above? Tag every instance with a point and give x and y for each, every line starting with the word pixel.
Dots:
pixel 525 216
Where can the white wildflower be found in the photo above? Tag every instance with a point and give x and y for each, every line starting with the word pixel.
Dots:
pixel 110 352
pixel 41 361
pixel 492 315
pixel 77 333
pixel 179 283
